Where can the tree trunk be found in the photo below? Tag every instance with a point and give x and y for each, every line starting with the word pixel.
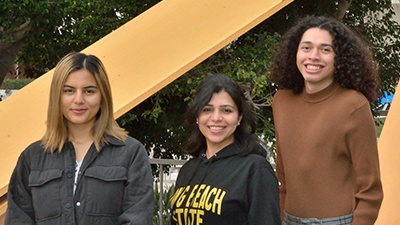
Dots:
pixel 343 6
pixel 9 51
pixel 7 58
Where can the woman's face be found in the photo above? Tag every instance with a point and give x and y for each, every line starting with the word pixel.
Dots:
pixel 80 99
pixel 218 120
pixel 315 59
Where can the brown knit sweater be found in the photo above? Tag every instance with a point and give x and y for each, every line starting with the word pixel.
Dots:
pixel 327 158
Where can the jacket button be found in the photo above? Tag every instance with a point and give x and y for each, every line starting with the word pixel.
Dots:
pixel 69 174
pixel 78 204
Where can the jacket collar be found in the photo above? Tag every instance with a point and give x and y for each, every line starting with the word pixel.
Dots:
pixel 114 141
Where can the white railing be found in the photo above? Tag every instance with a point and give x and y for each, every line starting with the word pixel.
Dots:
pixel 161 163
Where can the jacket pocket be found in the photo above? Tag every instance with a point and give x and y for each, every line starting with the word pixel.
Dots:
pixel 45 187
pixel 105 190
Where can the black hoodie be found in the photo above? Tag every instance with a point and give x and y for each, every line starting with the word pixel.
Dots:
pixel 227 188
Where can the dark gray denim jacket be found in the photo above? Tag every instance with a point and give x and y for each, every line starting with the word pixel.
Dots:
pixel 115 186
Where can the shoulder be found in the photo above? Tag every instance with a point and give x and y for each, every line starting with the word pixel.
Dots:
pixel 351 99
pixel 187 171
pixel 130 147
pixel 33 153
pixel 132 141
pixel 259 167
pixel 34 148
pixel 190 166
pixel 284 93
pixel 283 96
pixel 128 142
pixel 251 162
pixel 256 160
pixel 192 162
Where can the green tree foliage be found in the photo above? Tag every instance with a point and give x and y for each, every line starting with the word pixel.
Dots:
pixel 247 60
pixel 165 212
pixel 160 117
pixel 371 18
pixel 9 84
pixel 36 33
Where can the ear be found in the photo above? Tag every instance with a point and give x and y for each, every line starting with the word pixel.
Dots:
pixel 240 119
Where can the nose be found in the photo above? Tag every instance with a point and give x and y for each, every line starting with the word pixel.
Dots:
pixel 314 54
pixel 216 115
pixel 79 98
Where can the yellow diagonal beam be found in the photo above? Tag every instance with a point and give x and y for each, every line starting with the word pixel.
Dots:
pixel 389 157
pixel 141 57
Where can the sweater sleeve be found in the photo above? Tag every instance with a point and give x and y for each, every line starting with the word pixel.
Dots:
pixel 362 143
pixel 280 173
pixel 20 209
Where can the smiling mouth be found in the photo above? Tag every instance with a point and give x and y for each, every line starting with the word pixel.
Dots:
pixel 78 110
pixel 313 67
pixel 215 128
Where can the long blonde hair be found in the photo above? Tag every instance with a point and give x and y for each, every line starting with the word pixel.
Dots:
pixel 57 130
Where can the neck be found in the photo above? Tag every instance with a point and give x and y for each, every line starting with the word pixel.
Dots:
pixel 81 142
pixel 312 88
pixel 80 136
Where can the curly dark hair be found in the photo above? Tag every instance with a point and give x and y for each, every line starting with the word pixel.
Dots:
pixel 354 65
pixel 244 133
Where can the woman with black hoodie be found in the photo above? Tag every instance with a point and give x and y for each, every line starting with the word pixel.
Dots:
pixel 228 180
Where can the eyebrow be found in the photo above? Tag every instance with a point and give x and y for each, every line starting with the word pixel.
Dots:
pixel 87 87
pixel 309 42
pixel 222 106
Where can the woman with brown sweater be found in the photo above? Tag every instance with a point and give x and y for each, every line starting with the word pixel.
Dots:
pixel 327 158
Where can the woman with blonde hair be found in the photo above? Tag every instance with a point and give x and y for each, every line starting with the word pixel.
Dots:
pixel 85 169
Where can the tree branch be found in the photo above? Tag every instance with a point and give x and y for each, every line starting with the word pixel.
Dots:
pixel 343 6
pixel 17 35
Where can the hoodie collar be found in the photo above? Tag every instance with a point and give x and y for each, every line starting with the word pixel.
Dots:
pixel 226 152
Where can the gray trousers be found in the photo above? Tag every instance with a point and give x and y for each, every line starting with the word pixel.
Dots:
pixel 341 220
